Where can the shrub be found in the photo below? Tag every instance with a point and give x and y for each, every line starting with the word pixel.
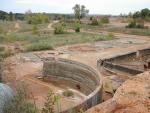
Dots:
pixel 50 103
pixel 59 29
pixel 35 30
pixel 132 24
pixel 2 30
pixel 111 35
pixel 2 38
pixel 136 24
pixel 37 18
pixel 77 26
pixel 43 45
pixel 104 20
pixel 140 23
pixel 94 21
pixel 68 93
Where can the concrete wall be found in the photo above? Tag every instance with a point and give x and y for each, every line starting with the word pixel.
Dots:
pixel 113 63
pixel 78 74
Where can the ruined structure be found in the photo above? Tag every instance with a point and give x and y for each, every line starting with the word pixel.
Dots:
pixel 81 77
pixel 132 63
pixel 133 95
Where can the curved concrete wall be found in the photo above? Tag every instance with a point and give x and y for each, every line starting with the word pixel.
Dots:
pixel 77 73
pixel 113 63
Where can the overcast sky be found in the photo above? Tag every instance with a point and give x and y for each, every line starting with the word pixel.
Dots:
pixel 114 7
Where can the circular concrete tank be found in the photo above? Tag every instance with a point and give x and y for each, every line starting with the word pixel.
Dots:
pixel 5 94
pixel 82 77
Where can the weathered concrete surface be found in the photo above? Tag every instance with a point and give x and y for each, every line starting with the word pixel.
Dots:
pixel 131 63
pixel 81 77
pixel 132 97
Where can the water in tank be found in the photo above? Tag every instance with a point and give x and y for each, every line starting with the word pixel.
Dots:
pixel 5 94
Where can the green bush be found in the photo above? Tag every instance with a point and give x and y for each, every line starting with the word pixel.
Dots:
pixel 59 29
pixel 136 24
pixel 50 103
pixel 94 21
pixel 68 93
pixel 111 35
pixel 37 18
pixel 37 46
pixel 35 30
pixel 77 26
pixel 131 24
pixel 104 20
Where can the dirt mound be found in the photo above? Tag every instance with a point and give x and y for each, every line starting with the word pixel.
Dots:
pixel 132 97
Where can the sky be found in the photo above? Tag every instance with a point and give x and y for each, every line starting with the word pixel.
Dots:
pixel 114 7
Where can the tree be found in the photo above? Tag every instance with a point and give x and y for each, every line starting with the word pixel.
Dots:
pixel 84 11
pixel 3 15
pixel 130 14
pixel 145 12
pixel 77 11
pixel 80 11
pixel 11 16
pixel 137 14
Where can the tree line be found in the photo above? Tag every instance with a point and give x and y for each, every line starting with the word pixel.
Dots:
pixel 5 16
pixel 143 14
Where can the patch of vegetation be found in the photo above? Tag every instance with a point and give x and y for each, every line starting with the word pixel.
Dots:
pixel 2 38
pixel 19 103
pixel 50 41
pixel 38 18
pixel 59 29
pixel 43 45
pixel 136 24
pixel 77 26
pixel 35 30
pixel 68 93
pixel 144 14
pixel 133 31
pixel 50 103
pixel 94 21
pixel 104 20
pixel 111 35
